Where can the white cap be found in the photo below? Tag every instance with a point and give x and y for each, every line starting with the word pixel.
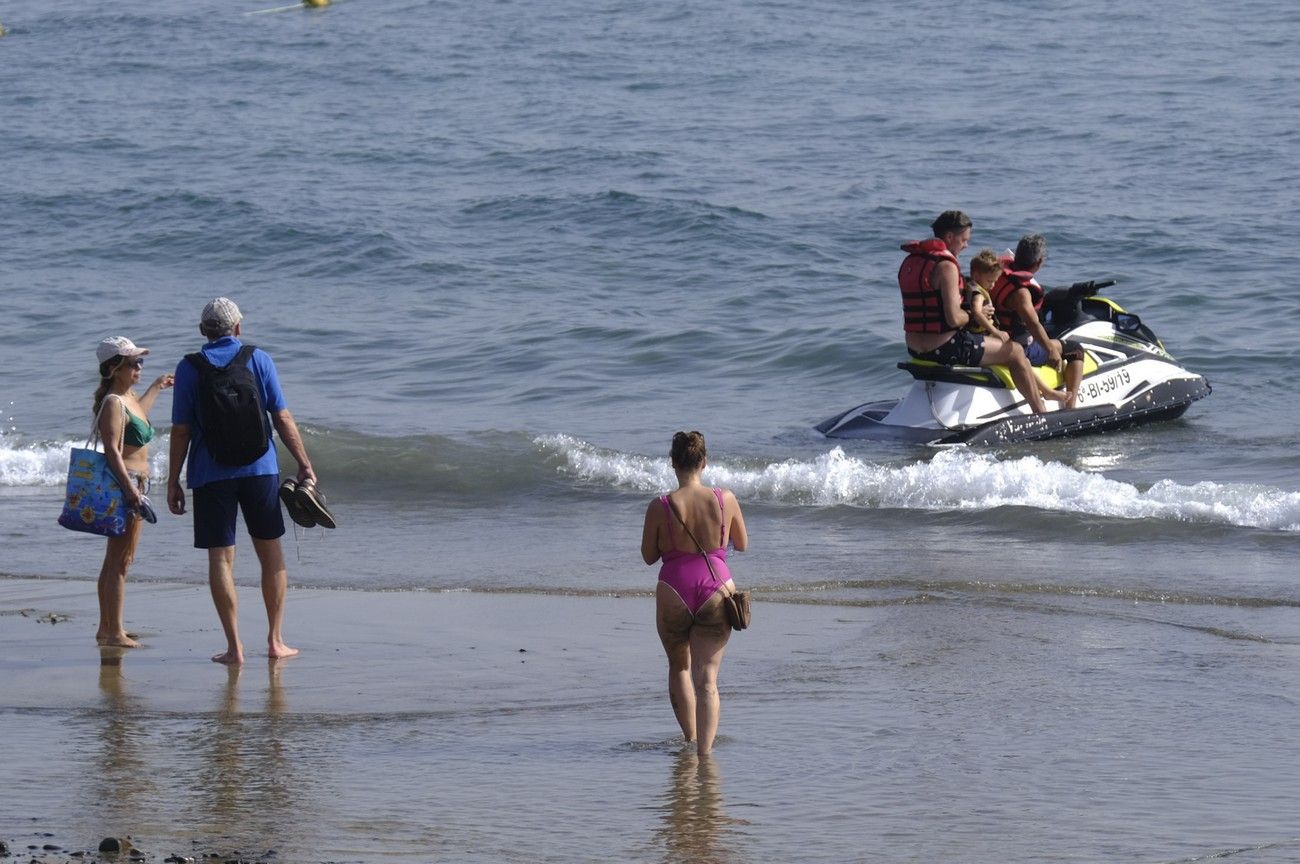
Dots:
pixel 118 346
pixel 222 312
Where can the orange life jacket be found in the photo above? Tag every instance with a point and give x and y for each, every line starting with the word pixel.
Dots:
pixel 922 302
pixel 1008 283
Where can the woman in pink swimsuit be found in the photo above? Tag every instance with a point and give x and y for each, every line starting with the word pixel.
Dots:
pixel 689 614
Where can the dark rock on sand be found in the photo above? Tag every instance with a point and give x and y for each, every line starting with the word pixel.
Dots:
pixel 114 844
pixel 4 849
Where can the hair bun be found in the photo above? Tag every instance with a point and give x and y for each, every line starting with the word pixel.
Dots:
pixel 688 450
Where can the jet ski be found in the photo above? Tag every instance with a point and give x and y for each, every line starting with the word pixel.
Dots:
pixel 1128 378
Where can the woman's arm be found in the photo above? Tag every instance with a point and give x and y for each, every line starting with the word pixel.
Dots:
pixel 650 532
pixel 161 383
pixel 111 423
pixel 737 534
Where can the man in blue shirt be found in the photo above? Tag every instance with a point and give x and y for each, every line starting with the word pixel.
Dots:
pixel 220 490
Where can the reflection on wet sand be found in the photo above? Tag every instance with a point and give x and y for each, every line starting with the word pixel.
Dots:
pixel 247 785
pixel 695 828
pixel 123 775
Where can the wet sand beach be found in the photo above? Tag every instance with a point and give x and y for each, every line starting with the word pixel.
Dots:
pixel 476 726
pixel 412 726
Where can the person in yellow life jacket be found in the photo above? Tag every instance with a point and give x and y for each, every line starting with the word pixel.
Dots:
pixel 933 318
pixel 1017 299
pixel 985 268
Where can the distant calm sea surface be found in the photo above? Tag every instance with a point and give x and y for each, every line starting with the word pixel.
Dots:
pixel 500 251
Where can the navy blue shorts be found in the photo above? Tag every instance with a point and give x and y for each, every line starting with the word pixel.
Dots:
pixel 216 503
pixel 963 349
pixel 1037 352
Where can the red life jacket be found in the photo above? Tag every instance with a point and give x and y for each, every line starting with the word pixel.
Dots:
pixel 1008 283
pixel 922 302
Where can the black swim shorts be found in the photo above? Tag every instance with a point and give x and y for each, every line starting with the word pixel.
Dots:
pixel 963 349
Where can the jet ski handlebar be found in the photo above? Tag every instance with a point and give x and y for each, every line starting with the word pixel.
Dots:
pixel 1063 306
pixel 1086 289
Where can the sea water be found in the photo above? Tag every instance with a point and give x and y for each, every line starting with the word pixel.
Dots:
pixel 502 251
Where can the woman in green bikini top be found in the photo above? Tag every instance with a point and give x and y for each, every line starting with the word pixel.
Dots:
pixel 138 432
pixel 122 423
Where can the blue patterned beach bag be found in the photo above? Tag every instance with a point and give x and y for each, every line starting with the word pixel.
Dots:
pixel 93 502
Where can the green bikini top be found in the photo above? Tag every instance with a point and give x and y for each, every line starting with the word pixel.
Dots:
pixel 138 432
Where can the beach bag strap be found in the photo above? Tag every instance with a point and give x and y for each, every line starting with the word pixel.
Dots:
pixel 734 603
pixel 93 441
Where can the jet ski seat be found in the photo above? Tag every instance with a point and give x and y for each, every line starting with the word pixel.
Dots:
pixel 980 376
pixel 928 370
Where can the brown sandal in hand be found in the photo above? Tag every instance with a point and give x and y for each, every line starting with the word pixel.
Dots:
pixel 312 501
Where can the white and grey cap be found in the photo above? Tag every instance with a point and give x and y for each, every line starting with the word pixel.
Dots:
pixel 221 312
pixel 118 346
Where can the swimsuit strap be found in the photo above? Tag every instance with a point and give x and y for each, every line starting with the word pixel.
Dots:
pixel 722 516
pixel 668 512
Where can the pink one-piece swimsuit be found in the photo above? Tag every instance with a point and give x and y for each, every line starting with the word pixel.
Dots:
pixel 686 572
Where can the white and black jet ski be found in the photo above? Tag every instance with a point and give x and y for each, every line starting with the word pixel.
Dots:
pixel 1128 378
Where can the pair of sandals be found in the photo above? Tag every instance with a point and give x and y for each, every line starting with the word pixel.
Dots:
pixel 145 509
pixel 306 504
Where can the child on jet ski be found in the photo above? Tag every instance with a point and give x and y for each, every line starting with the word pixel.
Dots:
pixel 985 268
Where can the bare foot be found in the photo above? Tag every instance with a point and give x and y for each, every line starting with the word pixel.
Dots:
pixel 230 658
pixel 1057 395
pixel 1073 398
pixel 118 640
pixel 279 650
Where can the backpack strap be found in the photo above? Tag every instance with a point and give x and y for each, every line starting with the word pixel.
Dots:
pixel 204 365
pixel 200 362
pixel 244 355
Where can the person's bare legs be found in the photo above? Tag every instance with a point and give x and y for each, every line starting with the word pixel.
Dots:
pixel 112 587
pixel 673 620
pixel 707 646
pixel 275 584
pixel 1013 357
pixel 1073 377
pixel 221 580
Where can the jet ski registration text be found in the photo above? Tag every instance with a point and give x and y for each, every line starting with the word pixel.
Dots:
pixel 1091 390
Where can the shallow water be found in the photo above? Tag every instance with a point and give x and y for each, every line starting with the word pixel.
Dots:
pixel 501 252
pixel 1043 728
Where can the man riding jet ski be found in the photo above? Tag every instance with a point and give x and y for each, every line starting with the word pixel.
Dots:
pixel 1127 376
pixel 933 318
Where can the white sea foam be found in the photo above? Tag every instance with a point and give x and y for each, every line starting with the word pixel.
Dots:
pixel 46 464
pixel 954 479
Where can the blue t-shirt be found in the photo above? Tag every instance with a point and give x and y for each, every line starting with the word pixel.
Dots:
pixel 202 468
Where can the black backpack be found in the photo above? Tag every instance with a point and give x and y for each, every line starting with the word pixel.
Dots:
pixel 235 428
